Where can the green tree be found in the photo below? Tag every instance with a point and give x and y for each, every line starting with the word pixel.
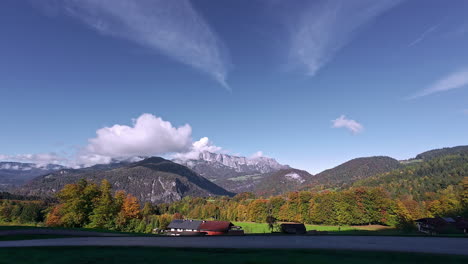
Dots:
pixel 104 212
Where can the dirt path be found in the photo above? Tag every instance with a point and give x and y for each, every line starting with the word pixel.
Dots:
pixel 402 244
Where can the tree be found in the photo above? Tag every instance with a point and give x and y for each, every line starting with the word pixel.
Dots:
pixel 54 218
pixel 78 202
pixel 148 209
pixel 130 210
pixel 271 221
pixel 103 215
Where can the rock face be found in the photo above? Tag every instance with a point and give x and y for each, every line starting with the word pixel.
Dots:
pixel 236 174
pixel 153 180
pixel 13 174
pixel 231 164
pixel 282 181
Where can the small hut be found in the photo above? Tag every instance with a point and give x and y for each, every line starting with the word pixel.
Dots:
pixel 293 228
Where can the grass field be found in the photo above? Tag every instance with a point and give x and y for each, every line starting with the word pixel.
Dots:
pixel 262 228
pixel 104 255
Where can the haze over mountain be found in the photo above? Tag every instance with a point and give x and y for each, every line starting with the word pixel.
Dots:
pixel 16 173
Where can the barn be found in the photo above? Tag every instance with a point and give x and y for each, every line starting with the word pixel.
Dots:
pixel 215 228
pixel 180 227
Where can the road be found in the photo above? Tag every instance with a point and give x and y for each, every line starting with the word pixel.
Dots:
pixel 436 245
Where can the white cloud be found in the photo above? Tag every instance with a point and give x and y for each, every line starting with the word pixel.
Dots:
pixel 351 125
pixel 204 144
pixel 327 26
pixel 257 155
pixel 40 159
pixel 174 28
pixel 424 35
pixel 458 79
pixel 149 135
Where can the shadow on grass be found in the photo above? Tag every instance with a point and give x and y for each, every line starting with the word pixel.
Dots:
pixel 105 255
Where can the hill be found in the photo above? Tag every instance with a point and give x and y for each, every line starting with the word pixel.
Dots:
pixel 437 153
pixel 421 180
pixel 151 180
pixel 353 170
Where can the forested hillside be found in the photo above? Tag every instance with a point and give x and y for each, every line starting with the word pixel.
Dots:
pixel 421 180
pixel 354 170
pixel 437 153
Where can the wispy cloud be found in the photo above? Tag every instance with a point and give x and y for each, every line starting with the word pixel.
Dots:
pixel 424 35
pixel 350 124
pixel 458 79
pixel 172 27
pixel 465 111
pixel 327 26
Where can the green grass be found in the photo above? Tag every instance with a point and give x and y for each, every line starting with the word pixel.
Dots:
pixel 246 177
pixel 261 228
pixel 104 255
pixel 366 230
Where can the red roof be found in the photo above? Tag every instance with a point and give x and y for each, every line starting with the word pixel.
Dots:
pixel 215 226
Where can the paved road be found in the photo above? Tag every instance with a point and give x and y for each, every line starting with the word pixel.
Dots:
pixel 63 232
pixel 438 245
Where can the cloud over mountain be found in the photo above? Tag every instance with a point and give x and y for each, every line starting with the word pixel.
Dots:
pixel 149 135
pixel 39 158
pixel 204 144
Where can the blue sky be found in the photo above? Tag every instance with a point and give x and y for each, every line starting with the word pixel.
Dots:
pixel 310 83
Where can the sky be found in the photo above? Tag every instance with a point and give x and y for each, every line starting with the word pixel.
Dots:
pixel 309 83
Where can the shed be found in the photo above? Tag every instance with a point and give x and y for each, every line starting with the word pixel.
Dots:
pixel 293 228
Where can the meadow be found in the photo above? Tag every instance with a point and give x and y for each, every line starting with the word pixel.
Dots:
pixel 262 228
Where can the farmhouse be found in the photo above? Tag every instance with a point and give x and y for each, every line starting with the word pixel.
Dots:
pixel 199 228
pixel 184 227
pixel 441 225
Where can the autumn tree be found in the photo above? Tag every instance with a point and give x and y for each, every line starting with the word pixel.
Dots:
pixel 130 210
pixel 78 201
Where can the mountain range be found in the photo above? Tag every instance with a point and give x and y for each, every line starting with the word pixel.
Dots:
pixel 159 180
pixel 155 180
pixel 234 173
pixel 16 173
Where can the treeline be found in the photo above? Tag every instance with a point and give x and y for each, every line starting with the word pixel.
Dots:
pixel 22 212
pixel 355 206
pixel 89 205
